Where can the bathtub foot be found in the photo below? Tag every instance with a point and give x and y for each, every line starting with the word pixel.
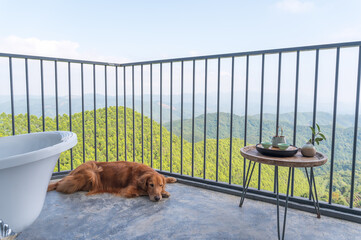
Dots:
pixel 5 232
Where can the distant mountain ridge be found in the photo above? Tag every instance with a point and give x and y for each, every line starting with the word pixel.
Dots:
pixel 20 107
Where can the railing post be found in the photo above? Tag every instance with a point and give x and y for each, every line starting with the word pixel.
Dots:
pixel 334 125
pixel 355 130
pixel 245 119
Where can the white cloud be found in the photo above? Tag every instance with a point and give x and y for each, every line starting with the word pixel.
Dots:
pixel 194 53
pixel 35 46
pixel 52 48
pixel 346 34
pixel 295 6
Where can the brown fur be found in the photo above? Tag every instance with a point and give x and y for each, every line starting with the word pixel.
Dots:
pixel 126 179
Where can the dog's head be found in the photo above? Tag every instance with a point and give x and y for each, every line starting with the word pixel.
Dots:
pixel 153 184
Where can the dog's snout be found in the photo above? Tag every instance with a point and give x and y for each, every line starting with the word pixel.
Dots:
pixel 156 198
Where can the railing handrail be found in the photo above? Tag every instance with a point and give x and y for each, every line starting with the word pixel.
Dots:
pixel 203 57
pixel 256 52
pixel 11 55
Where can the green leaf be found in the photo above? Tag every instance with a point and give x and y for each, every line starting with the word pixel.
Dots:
pixel 317 142
pixel 313 130
pixel 318 139
pixel 323 136
pixel 318 127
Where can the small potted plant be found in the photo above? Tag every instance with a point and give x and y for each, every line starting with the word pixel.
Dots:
pixel 278 139
pixel 308 150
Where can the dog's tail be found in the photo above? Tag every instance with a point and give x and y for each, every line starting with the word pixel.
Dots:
pixel 85 177
pixel 170 180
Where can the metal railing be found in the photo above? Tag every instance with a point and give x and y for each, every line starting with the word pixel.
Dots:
pixel 181 62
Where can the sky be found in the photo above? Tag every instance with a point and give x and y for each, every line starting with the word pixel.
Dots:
pixel 146 30
pixel 130 31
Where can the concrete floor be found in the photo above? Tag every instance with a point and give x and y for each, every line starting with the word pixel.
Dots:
pixel 190 213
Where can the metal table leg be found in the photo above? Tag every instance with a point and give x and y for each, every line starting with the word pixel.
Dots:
pixel 286 204
pixel 246 183
pixel 313 191
pixel 244 191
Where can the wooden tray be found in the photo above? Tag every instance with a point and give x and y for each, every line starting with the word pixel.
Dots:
pixel 276 152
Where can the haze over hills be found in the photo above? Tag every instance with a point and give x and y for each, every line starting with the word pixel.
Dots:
pixel 345 116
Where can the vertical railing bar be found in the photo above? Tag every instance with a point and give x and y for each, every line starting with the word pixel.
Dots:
pixel 278 105
pixel 42 94
pixel 231 125
pixel 295 115
pixel 117 110
pixel 245 119
pixel 125 113
pixel 106 111
pixel 278 91
pixel 70 112
pixel 133 105
pixel 261 120
pixel 82 108
pixel 56 102
pixel 27 94
pixel 12 96
pixel 334 125
pixel 205 120
pixel 315 94
pixel 161 116
pixel 95 114
pixel 355 130
pixel 193 112
pixel 142 108
pixel 171 118
pixel 151 115
pixel 314 108
pixel 182 83
pixel 218 96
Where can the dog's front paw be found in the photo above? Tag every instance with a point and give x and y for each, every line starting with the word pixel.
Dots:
pixel 165 194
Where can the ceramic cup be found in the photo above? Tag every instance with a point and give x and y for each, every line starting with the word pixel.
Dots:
pixel 266 144
pixel 283 146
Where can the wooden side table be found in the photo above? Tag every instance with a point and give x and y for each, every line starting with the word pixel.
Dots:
pixel 297 161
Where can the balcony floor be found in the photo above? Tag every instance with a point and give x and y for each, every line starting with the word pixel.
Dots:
pixel 190 213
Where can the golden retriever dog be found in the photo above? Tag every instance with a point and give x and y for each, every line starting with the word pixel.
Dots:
pixel 126 179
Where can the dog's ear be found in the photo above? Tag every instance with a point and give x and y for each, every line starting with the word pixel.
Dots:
pixel 143 180
pixel 164 181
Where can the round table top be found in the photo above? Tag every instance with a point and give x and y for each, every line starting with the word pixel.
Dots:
pixel 298 160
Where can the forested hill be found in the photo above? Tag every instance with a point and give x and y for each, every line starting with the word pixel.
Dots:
pixel 344 135
pixel 343 143
pixel 301 186
pixel 237 159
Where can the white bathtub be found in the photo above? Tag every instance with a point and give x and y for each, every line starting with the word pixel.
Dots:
pixel 26 165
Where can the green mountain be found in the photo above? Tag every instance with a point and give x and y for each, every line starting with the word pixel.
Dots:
pixel 301 186
pixel 343 142
pixel 344 135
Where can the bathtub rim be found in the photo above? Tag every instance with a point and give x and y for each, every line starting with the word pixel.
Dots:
pixel 67 141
